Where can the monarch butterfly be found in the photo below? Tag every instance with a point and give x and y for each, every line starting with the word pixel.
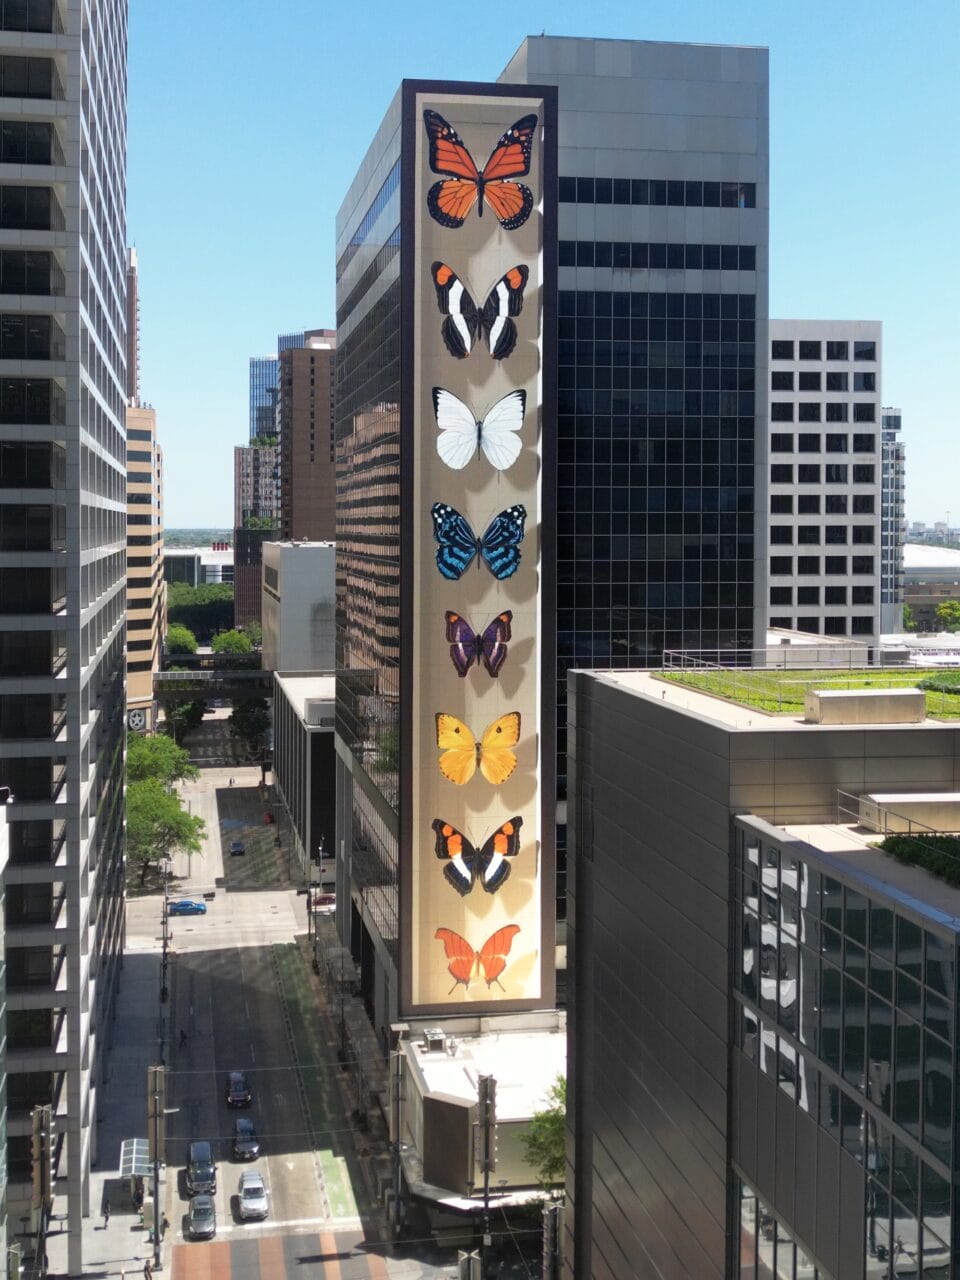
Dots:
pixel 464 185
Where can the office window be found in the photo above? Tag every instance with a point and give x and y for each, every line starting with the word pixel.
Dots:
pixel 837 351
pixel 781 504
pixel 781 380
pixel 835 595
pixel 809 473
pixel 808 381
pixel 837 443
pixel 781 411
pixel 808 504
pixel 781 564
pixel 808 595
pixel 834 626
pixel 862 564
pixel 863 504
pixel 835 504
pixel 781 473
pixel 864 351
pixel 835 564
pixel 808 534
pixel 865 381
pixel 781 442
pixel 808 412
pixel 861 626
pixel 837 411
pixel 863 534
pixel 808 442
pixel 863 473
pixel 809 350
pixel 781 535
pixel 865 412
pixel 864 442
pixel 862 595
pixel 808 564
pixel 781 349
pixel 785 622
pixel 836 534
pixel 837 380
pixel 836 473
pixel 811 625
pixel 781 595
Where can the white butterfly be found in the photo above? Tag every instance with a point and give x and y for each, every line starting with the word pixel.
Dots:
pixel 462 434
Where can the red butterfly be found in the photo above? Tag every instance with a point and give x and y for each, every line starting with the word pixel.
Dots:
pixel 465 185
pixel 467 964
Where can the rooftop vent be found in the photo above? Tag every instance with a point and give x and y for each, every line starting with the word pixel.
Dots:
pixel 434 1039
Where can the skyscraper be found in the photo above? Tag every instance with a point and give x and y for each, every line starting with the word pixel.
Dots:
pixel 263 396
pixel 62 550
pixel 663 191
pixel 892 533
pixel 307 473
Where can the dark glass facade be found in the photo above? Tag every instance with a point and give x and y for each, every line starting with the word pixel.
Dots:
pixel 846 1001
pixel 264 390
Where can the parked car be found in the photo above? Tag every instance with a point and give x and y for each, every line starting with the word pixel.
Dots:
pixel 202 1217
pixel 184 907
pixel 236 848
pixel 246 1144
pixel 253 1195
pixel 201 1170
pixel 238 1090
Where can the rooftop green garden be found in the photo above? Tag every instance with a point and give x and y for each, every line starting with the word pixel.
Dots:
pixel 940 855
pixel 782 691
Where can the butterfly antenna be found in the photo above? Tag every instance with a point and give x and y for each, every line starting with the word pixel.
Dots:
pixel 456 983
pixel 499 984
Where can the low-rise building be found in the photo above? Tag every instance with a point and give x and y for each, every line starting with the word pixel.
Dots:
pixel 297 607
pixel 303 763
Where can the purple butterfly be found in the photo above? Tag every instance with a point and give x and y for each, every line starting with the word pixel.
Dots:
pixel 468 646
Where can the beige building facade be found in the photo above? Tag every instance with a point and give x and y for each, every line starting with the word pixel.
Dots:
pixel 146 589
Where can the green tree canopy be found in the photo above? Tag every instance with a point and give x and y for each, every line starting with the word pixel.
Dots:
pixel 158 757
pixel 250 722
pixel 254 632
pixel 180 639
pixel 948 615
pixel 909 621
pixel 205 609
pixel 545 1141
pixel 158 825
pixel 231 642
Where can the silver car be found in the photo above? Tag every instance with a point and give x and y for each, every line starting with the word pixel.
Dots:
pixel 253 1195
pixel 202 1218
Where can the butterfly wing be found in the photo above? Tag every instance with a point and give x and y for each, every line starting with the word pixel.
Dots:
pixel 461 857
pixel 462 324
pixel 450 201
pixel 460 955
pixel 492 643
pixel 465 644
pixel 497 761
pixel 511 202
pixel 499 440
pixel 493 954
pixel 459 436
pixel 490 863
pixel 458 763
pixel 504 300
pixel 456 542
pixel 499 544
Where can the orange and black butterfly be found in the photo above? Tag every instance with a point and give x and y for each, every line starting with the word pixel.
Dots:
pixel 465 963
pixel 468 864
pixel 464 185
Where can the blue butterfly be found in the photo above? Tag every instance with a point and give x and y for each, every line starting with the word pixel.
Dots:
pixel 459 544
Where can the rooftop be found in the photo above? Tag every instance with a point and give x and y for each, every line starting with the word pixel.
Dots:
pixel 300 689
pixel 923 555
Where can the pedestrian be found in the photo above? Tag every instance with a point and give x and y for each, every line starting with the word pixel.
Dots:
pixel 183 1037
pixel 164 1226
pixel 106 1214
pixel 148 1270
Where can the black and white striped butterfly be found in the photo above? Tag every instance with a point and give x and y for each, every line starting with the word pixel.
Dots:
pixel 463 434
pixel 465 321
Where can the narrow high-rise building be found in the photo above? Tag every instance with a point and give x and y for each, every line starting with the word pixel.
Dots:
pixel 263 396
pixel 825 478
pixel 63 525
pixel 305 414
pixel 892 531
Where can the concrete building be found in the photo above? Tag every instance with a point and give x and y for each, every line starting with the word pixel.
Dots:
pixel 298 606
pixel 197 566
pixel 63 528
pixel 146 586
pixel 256 483
pixel 825 478
pixel 762 1043
pixel 4 858
pixel 892 530
pixel 931 577
pixel 248 574
pixel 305 415
pixel 303 766
pixel 661 426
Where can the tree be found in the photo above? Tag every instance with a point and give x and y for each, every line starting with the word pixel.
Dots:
pixel 158 757
pixel 250 723
pixel 260 522
pixel 180 639
pixel 545 1141
pixel 948 615
pixel 205 609
pixel 254 632
pixel 232 642
pixel 158 825
pixel 909 621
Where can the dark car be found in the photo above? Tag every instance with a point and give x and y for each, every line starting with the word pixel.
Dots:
pixel 238 1090
pixel 201 1170
pixel 236 848
pixel 184 907
pixel 246 1144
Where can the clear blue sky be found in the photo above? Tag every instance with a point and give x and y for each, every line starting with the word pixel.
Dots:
pixel 247 121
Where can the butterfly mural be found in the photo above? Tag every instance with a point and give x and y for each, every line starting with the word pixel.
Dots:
pixel 468 646
pixel 467 864
pixel 466 963
pixel 462 753
pixel 463 185
pixel 465 321
pixel 463 435
pixel 457 544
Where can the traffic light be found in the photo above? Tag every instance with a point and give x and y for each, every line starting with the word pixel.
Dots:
pixel 156 1105
pixel 41 1158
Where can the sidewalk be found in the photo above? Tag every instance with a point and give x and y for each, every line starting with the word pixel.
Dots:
pixel 120 1248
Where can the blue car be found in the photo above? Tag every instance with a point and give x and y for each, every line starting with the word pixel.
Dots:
pixel 184 907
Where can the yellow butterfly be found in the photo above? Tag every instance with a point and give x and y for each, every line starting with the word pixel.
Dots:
pixel 462 752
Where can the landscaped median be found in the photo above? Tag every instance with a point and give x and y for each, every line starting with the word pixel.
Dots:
pixel 782 691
